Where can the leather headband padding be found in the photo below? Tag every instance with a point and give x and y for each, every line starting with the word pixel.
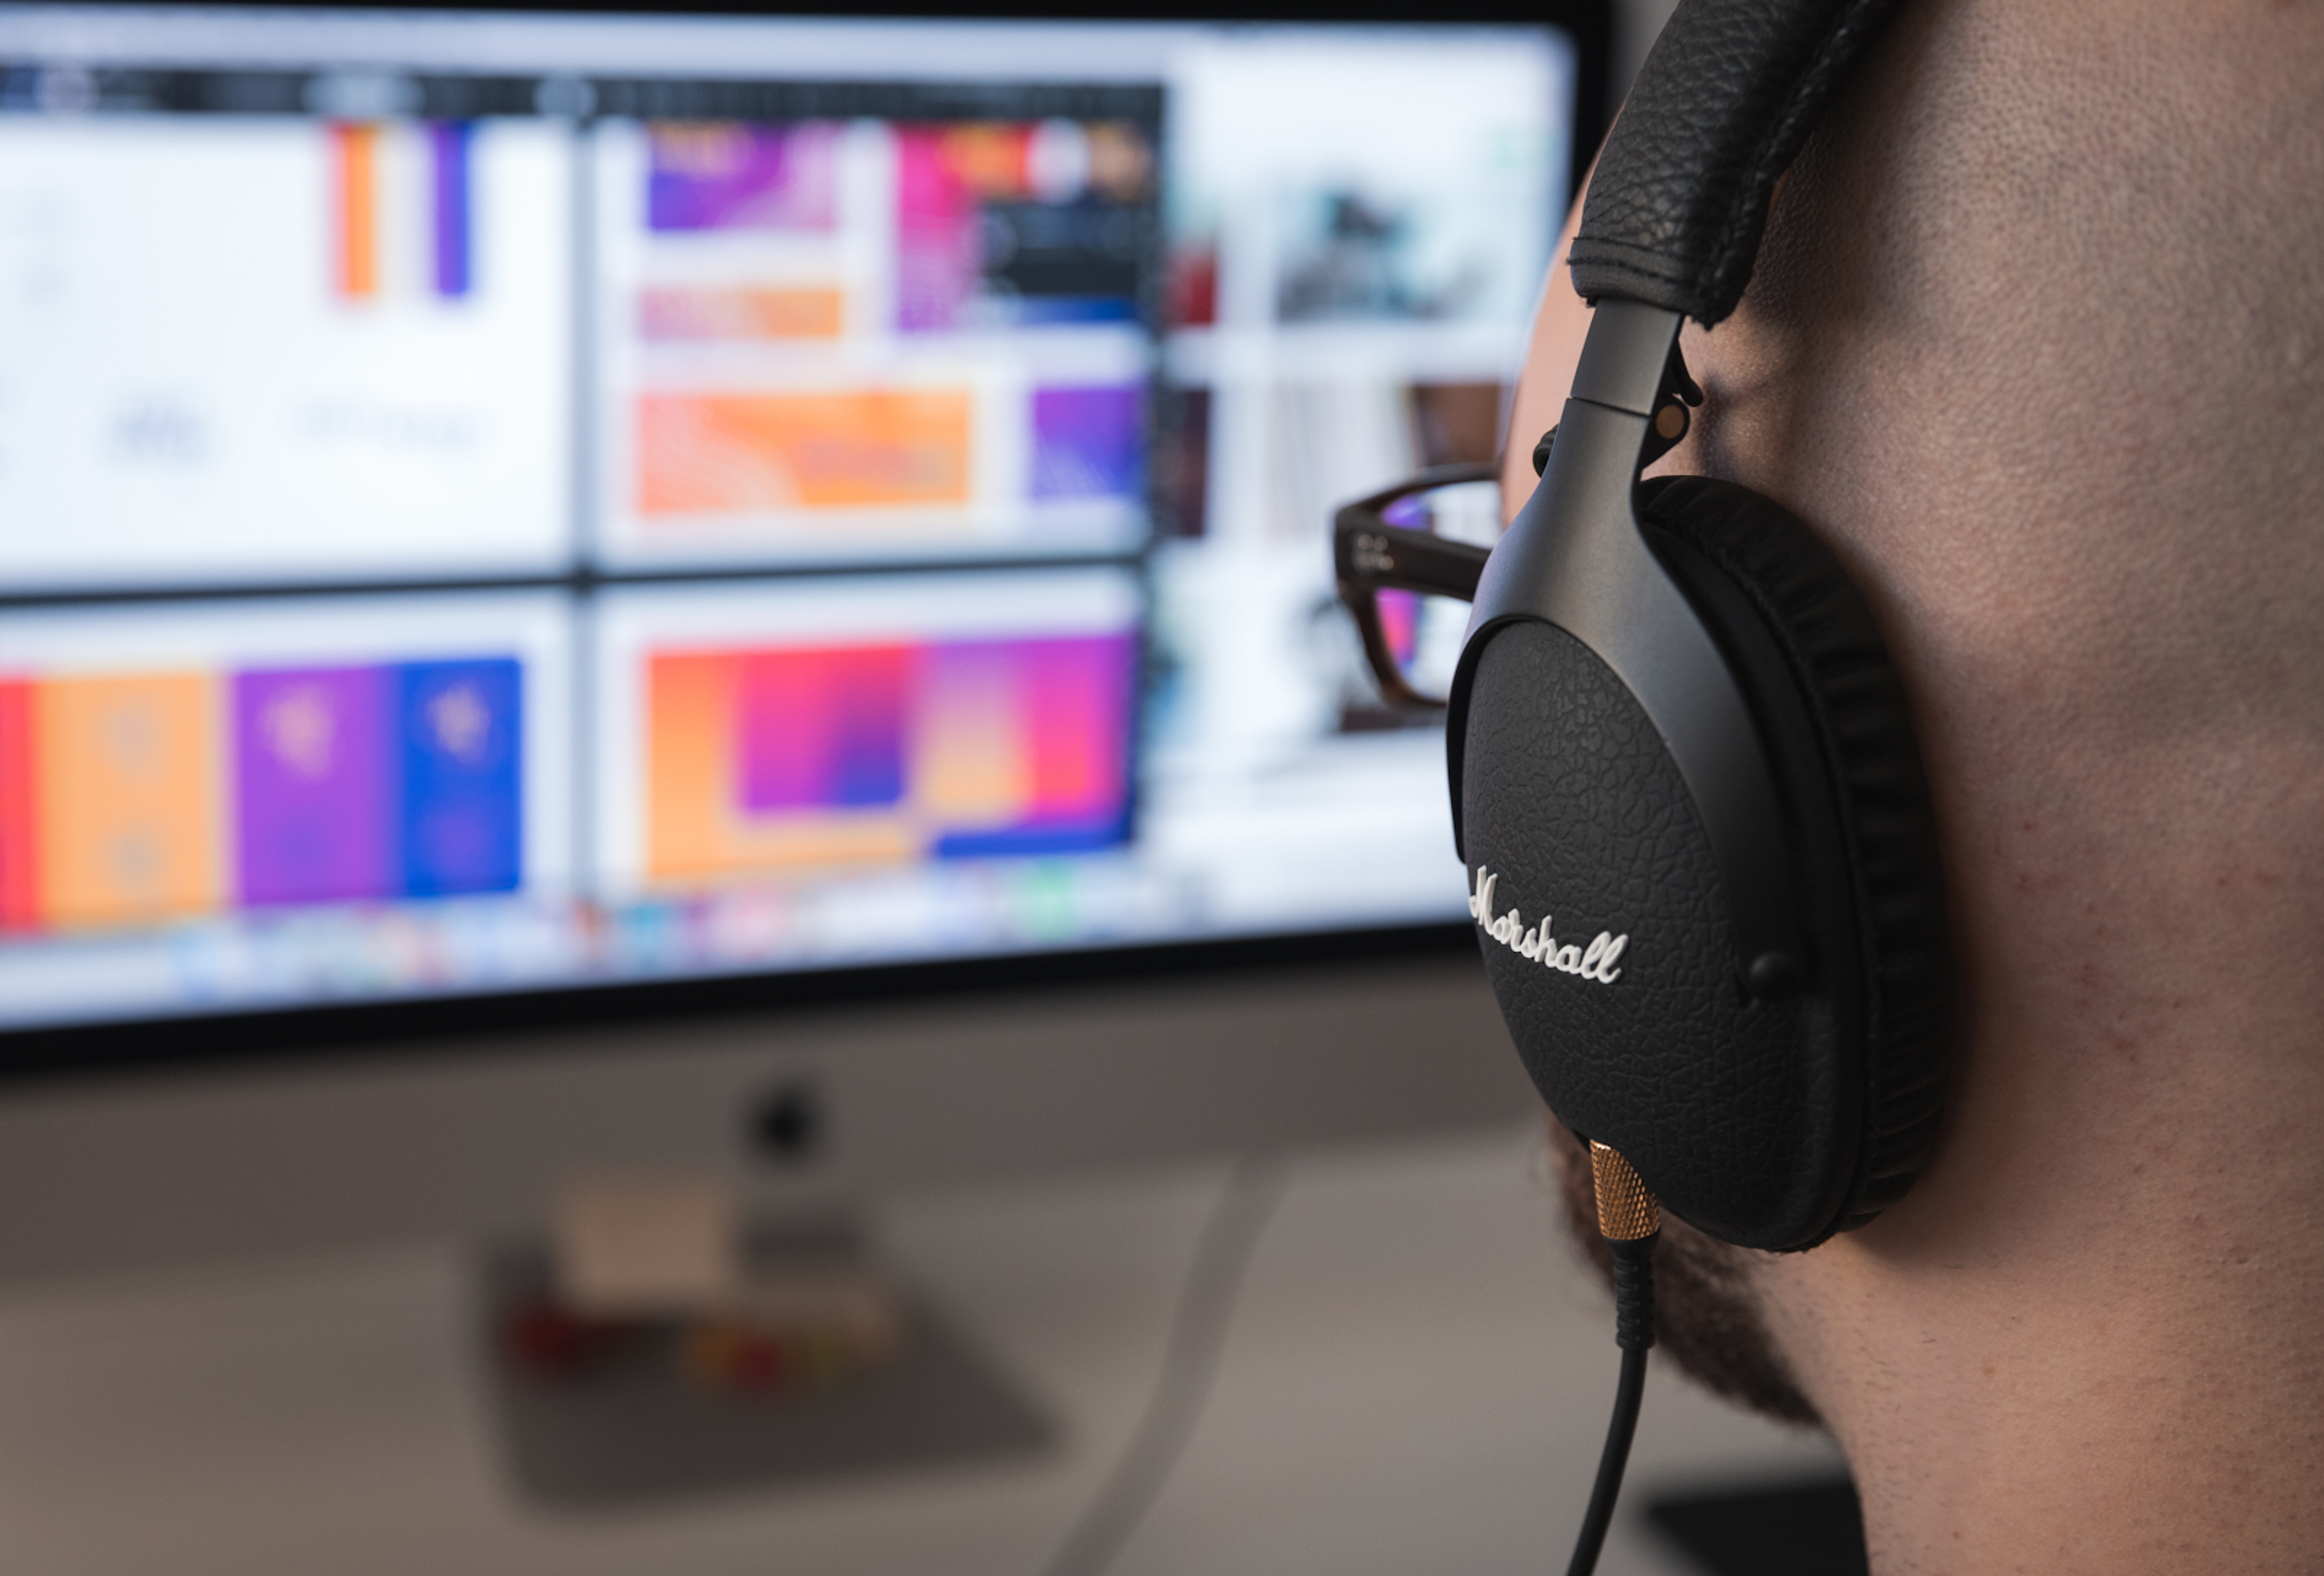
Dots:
pixel 1729 92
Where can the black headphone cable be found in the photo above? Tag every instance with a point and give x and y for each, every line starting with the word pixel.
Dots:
pixel 1631 1221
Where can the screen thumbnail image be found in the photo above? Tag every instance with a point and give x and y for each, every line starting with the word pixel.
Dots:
pixel 825 340
pixel 249 349
pixel 819 725
pixel 155 769
pixel 1380 177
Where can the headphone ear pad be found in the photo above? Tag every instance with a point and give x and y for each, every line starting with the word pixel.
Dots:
pixel 1813 666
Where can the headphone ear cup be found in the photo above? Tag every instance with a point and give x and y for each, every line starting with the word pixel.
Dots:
pixel 1811 662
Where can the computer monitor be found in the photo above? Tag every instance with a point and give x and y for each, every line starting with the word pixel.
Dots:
pixel 581 588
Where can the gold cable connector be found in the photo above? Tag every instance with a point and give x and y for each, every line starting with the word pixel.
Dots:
pixel 1631 1221
pixel 1626 1212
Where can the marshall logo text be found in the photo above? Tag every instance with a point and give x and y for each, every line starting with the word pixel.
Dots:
pixel 1594 961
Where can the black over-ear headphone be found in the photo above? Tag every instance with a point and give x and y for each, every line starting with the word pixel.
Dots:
pixel 1685 782
pixel 1684 779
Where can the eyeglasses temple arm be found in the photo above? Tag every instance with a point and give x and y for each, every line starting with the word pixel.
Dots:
pixel 1369 553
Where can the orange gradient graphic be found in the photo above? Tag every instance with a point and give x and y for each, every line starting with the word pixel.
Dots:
pixel 885 750
pixel 674 313
pixel 125 797
pixel 693 830
pixel 990 157
pixel 727 454
pixel 976 751
pixel 354 168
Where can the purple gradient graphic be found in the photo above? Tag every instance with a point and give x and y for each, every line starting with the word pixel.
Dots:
pixel 1075 696
pixel 314 786
pixel 938 256
pixel 1088 442
pixel 729 176
pixel 822 729
pixel 449 148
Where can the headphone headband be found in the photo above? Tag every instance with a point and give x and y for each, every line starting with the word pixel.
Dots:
pixel 1725 98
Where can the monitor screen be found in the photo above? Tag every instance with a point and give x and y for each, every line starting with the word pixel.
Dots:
pixel 497 503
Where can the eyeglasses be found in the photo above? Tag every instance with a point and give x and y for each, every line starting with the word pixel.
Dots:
pixel 1407 576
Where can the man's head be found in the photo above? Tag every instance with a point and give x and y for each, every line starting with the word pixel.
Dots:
pixel 2036 344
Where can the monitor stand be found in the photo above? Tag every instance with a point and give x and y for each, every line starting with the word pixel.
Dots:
pixel 624 1424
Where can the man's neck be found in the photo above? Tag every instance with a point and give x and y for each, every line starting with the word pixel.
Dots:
pixel 2089 1342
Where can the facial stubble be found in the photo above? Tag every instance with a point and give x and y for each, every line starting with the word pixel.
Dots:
pixel 1706 1309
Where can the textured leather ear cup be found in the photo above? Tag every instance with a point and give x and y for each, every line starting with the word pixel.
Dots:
pixel 1769 1121
pixel 1744 1116
pixel 1816 671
